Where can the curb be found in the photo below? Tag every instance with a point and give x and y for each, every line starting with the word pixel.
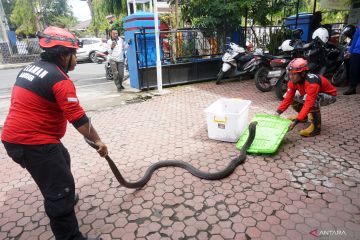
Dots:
pixel 12 66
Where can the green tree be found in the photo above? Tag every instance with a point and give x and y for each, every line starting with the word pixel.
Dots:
pixel 23 17
pixel 118 24
pixel 64 21
pixel 30 16
pixel 220 14
pixel 116 7
pixel 99 22
pixel 100 9
pixel 54 10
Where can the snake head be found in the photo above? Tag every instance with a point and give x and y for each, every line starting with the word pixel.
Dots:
pixel 91 143
pixel 253 124
pixel 252 133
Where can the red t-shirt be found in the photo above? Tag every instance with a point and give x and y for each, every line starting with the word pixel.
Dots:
pixel 43 100
pixel 312 86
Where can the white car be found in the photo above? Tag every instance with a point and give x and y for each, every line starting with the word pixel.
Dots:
pixel 88 50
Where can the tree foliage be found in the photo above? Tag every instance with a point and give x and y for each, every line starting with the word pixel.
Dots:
pixel 30 16
pixel 118 24
pixel 220 14
pixel 55 11
pixel 64 21
pixel 116 7
pixel 229 14
pixel 99 22
pixel 100 9
pixel 23 17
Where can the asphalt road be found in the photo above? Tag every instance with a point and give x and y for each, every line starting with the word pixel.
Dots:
pixel 93 90
pixel 84 74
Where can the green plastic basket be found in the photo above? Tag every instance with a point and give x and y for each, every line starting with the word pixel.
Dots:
pixel 270 131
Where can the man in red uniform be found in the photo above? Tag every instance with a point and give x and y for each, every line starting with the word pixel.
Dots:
pixel 306 93
pixel 43 100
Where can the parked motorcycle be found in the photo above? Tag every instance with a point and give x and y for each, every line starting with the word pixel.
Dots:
pixel 275 68
pixel 269 74
pixel 340 76
pixel 322 58
pixel 104 57
pixel 236 62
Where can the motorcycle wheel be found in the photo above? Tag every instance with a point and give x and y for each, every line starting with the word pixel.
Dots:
pixel 339 77
pixel 219 77
pixel 92 57
pixel 281 87
pixel 261 81
pixel 109 75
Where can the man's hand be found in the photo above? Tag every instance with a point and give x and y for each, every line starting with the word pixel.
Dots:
pixel 292 125
pixel 103 151
pixel 113 44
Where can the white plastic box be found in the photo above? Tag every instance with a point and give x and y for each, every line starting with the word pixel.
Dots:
pixel 227 118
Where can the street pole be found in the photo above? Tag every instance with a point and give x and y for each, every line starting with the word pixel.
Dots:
pixel 314 8
pixel 157 43
pixel 297 14
pixel 4 27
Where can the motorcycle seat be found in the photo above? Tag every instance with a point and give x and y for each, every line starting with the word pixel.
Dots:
pixel 246 58
pixel 271 57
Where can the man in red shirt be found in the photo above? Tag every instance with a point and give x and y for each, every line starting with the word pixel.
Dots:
pixel 43 100
pixel 306 93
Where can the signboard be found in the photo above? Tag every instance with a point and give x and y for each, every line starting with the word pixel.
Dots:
pixel 336 4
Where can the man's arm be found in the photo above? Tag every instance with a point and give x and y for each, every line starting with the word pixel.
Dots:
pixel 67 100
pixel 288 98
pixel 88 131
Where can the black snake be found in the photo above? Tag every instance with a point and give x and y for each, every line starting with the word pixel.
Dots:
pixel 175 163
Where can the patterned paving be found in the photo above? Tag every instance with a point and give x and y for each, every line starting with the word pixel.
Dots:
pixel 310 185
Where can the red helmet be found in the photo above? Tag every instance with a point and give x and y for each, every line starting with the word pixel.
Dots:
pixel 298 65
pixel 54 36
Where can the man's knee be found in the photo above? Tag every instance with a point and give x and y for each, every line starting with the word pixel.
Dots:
pixel 325 100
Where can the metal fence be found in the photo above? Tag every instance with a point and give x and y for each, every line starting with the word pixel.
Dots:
pixel 176 46
pixel 26 47
pixel 26 50
pixel 259 36
pixel 179 46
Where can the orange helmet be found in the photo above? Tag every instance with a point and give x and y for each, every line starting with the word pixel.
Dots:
pixel 54 36
pixel 298 65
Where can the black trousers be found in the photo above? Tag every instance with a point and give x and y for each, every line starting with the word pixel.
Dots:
pixel 354 70
pixel 49 166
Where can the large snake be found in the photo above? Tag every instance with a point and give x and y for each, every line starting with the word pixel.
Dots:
pixel 175 163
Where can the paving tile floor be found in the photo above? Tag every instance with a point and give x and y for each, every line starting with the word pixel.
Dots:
pixel 309 185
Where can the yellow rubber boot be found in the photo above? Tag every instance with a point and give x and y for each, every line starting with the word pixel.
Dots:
pixel 315 124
